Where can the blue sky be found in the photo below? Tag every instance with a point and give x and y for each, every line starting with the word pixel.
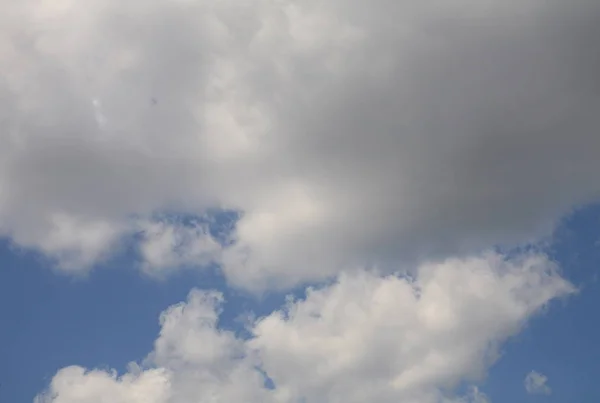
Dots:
pixel 111 318
pixel 562 344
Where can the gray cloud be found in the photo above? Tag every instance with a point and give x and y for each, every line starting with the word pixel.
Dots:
pixel 347 133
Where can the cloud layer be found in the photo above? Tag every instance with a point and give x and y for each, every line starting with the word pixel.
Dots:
pixel 345 133
pixel 353 141
pixel 363 338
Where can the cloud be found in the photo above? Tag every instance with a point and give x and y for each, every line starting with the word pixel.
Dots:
pixel 170 245
pixel 364 337
pixel 473 396
pixel 74 384
pixel 345 133
pixel 536 383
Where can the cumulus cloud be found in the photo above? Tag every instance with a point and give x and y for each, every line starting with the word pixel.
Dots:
pixel 345 133
pixel 365 337
pixel 536 383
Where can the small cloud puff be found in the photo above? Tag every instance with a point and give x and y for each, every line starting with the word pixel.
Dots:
pixel 536 383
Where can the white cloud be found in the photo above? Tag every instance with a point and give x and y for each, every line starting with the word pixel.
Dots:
pixel 170 245
pixel 345 132
pixel 78 242
pixel 363 338
pixel 74 384
pixel 473 396
pixel 536 383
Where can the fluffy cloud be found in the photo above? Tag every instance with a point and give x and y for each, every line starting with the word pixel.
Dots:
pixel 536 383
pixel 344 132
pixel 171 245
pixel 363 338
pixel 74 384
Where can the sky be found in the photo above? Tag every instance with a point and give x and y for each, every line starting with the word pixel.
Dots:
pixel 284 201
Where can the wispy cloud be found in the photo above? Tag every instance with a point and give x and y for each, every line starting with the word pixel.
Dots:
pixel 537 383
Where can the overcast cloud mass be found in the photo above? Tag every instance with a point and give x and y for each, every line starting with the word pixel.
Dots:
pixel 353 139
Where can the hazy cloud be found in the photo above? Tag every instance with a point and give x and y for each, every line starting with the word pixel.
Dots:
pixel 536 383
